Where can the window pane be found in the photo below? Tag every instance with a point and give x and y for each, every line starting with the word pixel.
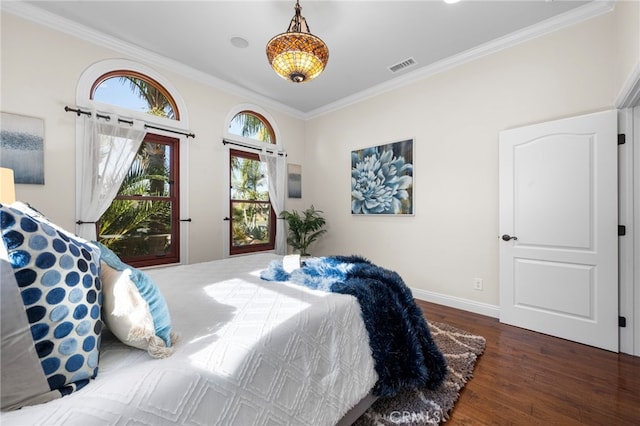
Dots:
pixel 250 223
pixel 134 93
pixel 251 126
pixel 150 172
pixel 137 227
pixel 248 180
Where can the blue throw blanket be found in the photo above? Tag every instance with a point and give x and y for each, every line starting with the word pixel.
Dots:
pixel 403 350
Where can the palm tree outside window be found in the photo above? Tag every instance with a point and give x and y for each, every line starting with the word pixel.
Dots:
pixel 252 222
pixel 142 223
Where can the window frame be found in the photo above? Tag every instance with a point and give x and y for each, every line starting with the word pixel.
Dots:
pixel 265 122
pixel 253 143
pixel 181 123
pixel 173 256
pixel 246 145
pixel 140 76
pixel 94 72
pixel 250 248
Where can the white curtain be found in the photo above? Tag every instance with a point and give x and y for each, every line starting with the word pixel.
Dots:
pixel 276 171
pixel 107 150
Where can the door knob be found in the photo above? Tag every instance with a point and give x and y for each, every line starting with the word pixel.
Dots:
pixel 507 237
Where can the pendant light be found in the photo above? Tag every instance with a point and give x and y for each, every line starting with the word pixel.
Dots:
pixel 297 55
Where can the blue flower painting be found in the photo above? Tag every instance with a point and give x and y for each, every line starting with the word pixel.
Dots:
pixel 382 179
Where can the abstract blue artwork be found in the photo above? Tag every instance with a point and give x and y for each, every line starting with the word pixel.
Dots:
pixel 22 147
pixel 382 179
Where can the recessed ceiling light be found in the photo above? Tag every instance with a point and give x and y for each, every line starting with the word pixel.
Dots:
pixel 239 42
pixel 451 1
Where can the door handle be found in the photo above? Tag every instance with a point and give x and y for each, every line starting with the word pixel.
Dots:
pixel 507 237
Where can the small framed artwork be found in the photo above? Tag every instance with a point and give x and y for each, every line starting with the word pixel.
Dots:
pixel 294 180
pixel 382 179
pixel 22 147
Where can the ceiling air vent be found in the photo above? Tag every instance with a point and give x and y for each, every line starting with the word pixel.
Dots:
pixel 409 62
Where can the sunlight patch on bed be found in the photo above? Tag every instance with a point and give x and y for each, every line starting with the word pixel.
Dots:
pixel 262 315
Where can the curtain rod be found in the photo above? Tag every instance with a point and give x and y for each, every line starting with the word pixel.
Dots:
pixel 78 111
pixel 272 151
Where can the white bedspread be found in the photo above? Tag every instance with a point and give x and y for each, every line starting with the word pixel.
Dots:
pixel 250 352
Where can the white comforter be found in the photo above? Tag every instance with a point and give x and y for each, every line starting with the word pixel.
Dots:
pixel 250 352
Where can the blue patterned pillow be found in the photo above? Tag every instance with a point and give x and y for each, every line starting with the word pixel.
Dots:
pixel 58 277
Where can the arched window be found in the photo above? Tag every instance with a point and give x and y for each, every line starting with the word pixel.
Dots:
pixel 135 91
pixel 142 223
pixel 250 124
pixel 253 209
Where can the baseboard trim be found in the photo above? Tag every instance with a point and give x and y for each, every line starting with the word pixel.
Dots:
pixel 457 302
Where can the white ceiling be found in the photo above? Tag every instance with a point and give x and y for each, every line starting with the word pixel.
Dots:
pixel 364 37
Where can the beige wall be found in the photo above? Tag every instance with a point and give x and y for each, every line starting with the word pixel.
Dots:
pixel 627 31
pixel 40 71
pixel 455 118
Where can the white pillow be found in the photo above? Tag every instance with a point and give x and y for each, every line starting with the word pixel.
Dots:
pixel 127 314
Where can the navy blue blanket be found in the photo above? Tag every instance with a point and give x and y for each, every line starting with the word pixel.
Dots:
pixel 403 349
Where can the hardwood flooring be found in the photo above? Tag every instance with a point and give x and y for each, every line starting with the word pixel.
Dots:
pixel 528 378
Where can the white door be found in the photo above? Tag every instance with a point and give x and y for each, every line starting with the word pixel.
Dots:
pixel 558 227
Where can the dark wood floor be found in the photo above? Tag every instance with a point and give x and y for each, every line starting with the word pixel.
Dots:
pixel 528 378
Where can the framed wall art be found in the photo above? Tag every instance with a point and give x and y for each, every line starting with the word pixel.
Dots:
pixel 294 180
pixel 22 147
pixel 382 179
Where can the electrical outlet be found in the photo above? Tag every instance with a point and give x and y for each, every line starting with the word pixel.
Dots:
pixel 477 283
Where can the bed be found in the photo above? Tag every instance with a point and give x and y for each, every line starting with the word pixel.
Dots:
pixel 249 352
pixel 238 341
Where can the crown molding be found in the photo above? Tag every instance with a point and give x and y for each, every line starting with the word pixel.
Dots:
pixel 578 15
pixel 39 16
pixel 567 19
pixel 629 95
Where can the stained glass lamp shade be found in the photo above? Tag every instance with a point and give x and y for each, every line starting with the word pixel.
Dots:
pixel 297 55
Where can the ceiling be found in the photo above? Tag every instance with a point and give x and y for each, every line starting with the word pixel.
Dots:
pixel 365 38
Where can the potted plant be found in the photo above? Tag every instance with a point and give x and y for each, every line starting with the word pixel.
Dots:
pixel 304 228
